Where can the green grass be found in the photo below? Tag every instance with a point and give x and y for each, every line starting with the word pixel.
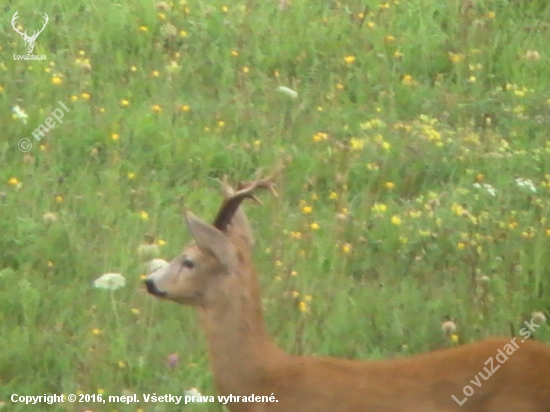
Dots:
pixel 402 107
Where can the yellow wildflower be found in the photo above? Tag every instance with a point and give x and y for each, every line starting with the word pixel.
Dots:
pixel 395 220
pixel 456 57
pixel 349 59
pixel 407 80
pixel 296 235
pixel 317 137
pixel 356 144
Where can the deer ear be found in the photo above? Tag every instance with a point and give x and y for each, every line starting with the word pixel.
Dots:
pixel 211 240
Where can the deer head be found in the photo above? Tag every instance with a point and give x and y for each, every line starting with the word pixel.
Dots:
pixel 206 269
pixel 29 40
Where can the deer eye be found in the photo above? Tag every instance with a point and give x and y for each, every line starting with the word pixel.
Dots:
pixel 187 263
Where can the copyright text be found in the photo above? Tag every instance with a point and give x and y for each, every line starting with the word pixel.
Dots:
pixel 137 398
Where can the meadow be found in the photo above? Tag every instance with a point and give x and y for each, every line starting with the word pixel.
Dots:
pixel 413 212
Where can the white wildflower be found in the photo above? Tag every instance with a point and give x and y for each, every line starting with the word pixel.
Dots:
pixel 19 114
pixel 484 279
pixel 155 264
pixel 448 327
pixel 289 92
pixel 49 217
pixel 195 395
pixel 538 317
pixel 148 250
pixel 110 281
pixel 192 392
pixel 489 188
pixel 173 67
pixel 521 182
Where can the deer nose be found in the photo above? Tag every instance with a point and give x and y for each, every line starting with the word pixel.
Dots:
pixel 152 288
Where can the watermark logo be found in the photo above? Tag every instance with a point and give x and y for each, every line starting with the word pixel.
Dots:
pixel 29 40
pixel 25 144
pixel 501 357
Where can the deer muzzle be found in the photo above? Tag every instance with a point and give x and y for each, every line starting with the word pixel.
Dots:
pixel 152 288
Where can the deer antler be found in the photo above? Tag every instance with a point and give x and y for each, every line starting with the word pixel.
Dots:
pixel 234 198
pixel 14 18
pixel 35 32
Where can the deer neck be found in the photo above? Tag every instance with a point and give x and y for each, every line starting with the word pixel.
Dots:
pixel 240 348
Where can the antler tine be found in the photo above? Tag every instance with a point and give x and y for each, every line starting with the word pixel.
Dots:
pixel 226 187
pixel 233 200
pixel 265 183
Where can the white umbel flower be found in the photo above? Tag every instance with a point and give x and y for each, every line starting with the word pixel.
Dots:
pixel 148 250
pixel 490 189
pixel 110 281
pixel 527 183
pixel 155 264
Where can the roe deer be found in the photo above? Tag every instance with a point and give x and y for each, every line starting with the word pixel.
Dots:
pixel 216 275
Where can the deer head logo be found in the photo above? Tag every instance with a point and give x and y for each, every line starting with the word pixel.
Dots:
pixel 29 40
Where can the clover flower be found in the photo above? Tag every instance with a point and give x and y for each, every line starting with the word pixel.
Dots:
pixel 172 361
